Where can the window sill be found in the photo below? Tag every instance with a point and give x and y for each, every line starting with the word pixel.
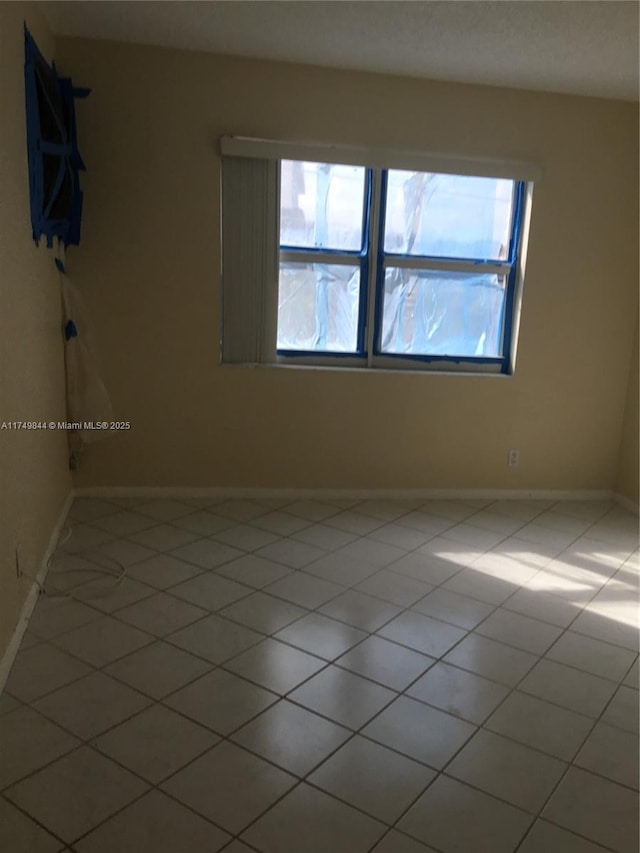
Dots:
pixel 473 374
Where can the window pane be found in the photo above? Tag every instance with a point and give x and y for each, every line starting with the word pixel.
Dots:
pixel 318 307
pixel 321 205
pixel 450 216
pixel 427 312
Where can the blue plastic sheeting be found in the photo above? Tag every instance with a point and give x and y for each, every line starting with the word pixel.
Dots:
pixel 318 307
pixel 422 311
pixel 52 150
pixel 427 312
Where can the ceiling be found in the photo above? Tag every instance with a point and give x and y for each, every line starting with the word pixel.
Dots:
pixel 583 47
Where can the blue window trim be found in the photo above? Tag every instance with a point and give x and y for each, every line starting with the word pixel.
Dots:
pixel 506 321
pixel 360 258
pixel 317 353
pixel 379 291
pixel 364 266
pixel 507 332
pixel 382 258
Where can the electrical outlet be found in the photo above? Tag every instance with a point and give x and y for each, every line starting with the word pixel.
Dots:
pixel 513 460
pixel 18 560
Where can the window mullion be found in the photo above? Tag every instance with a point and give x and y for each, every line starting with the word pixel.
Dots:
pixel 418 262
pixel 318 256
pixel 374 237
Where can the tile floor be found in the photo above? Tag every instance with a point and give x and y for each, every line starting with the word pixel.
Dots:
pixel 329 677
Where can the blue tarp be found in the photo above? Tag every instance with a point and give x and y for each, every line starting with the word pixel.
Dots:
pixel 52 149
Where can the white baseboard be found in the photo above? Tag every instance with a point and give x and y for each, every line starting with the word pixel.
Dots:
pixel 215 493
pixel 627 503
pixel 6 661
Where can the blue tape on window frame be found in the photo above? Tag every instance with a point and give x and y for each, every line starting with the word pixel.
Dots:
pixel 380 271
pixel 506 320
pixel 510 266
pixel 514 249
pixel 64 150
pixel 360 258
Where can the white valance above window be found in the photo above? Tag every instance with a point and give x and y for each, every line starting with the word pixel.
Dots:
pixel 379 158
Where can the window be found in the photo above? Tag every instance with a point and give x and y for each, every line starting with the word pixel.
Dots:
pixel 323 257
pixel 360 265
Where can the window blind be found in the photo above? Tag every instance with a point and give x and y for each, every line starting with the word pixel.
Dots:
pixel 249 259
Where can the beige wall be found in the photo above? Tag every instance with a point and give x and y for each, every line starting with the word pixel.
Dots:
pixel 149 265
pixel 627 479
pixel 34 479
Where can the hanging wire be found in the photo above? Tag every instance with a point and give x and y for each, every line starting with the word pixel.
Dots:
pixel 79 593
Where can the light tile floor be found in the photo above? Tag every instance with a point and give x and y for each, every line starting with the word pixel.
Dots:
pixel 329 677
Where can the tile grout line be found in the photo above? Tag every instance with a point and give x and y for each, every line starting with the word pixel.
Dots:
pixel 332 661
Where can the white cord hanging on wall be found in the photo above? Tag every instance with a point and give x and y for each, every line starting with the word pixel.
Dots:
pixel 88 403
